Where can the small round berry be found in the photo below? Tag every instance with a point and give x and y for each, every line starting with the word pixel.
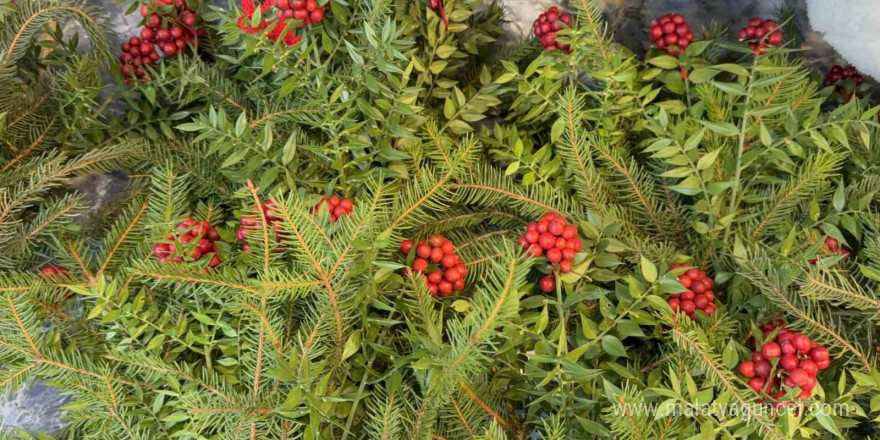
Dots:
pixel 311 5
pixel 532 236
pixel 688 306
pixel 568 254
pixel 215 261
pixel 688 294
pixel 799 377
pixel 554 255
pixel 701 302
pixel 435 240
pixel 771 350
pixel 756 384
pixel 548 284
pixel 787 347
pixel 423 251
pixel 420 265
pixel 762 368
pixel 542 227
pixel 810 366
pixel 802 343
pixel 458 285
pixel 451 275
pixel 561 243
pixel 556 228
pixel 669 28
pixel 435 277
pixel 462 269
pixel 436 255
pixel 819 354
pixel 447 247
pixel 710 295
pixel 565 266
pixel 406 246
pixel 788 362
pixel 574 244
pixel 433 289
pixel 710 309
pixel 674 304
pixel 448 261
pixel 546 240
pixel 747 369
pixel 536 251
pixel 775 38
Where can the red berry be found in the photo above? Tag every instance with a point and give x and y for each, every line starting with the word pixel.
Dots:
pixel 535 250
pixel 775 38
pixel 802 343
pixel 532 236
pixel 747 369
pixel 756 384
pixel 669 28
pixel 823 364
pixel 420 265
pixel 819 354
pixel 458 285
pixel 698 287
pixel 548 283
pixel 452 275
pixel 756 356
pixel 694 274
pixel 311 5
pixel 742 34
pixel 147 34
pixel 674 303
pixel 435 277
pixel 799 377
pixel 546 240
pixel 144 11
pixel 832 244
pixel 205 245
pixel 554 255
pixel 787 347
pixel 445 288
pixel 568 254
pixel 788 362
pixel 436 255
pixel 710 295
pixel 755 22
pixel 448 261
pixel 435 240
pixel 556 228
pixel 565 266
pixel 189 20
pixel 809 366
pixel 462 269
pixel 762 368
pixel 406 245
pixel 316 16
pixel 215 261
pixel 433 289
pixel 771 350
pixel 565 18
pixel 701 302
pixel 560 244
pixel 542 227
pixel 447 247
pixel 710 309
pixel 574 244
pixel 423 251
pixel 688 306
pixel 688 294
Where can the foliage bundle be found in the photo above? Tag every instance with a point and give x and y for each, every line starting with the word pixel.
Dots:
pixel 310 323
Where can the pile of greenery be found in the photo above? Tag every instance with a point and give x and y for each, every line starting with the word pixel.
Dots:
pixel 721 158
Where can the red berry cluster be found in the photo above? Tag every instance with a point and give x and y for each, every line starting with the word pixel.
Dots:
pixel 548 24
pixel 306 12
pixel 554 238
pixel 758 29
pixel 437 5
pixel 672 33
pixel 800 360
pixel 837 77
pixel 172 32
pixel 337 207
pixel 699 295
pixel 438 254
pixel 833 246
pixel 190 230
pixel 50 271
pixel 250 223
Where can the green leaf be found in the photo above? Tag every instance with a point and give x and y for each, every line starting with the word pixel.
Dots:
pixel 649 271
pixel 666 409
pixel 664 62
pixel 870 272
pixel 708 160
pixel 722 128
pixel 512 168
pixel 240 124
pixel 613 346
pixel 827 422
pixel 729 355
pixel 730 88
pixel 352 345
pixel 839 199
pixel 702 74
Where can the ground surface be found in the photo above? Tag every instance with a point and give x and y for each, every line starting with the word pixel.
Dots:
pixel 37 407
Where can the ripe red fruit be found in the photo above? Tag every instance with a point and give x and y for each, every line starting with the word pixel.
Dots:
pixel 565 266
pixel 433 289
pixel 458 285
pixel 685 281
pixel 701 302
pixel 423 251
pixel 406 246
pixel 756 384
pixel 823 364
pixel 809 366
pixel 547 240
pixel 316 16
pixel 674 303
pixel 788 362
pixel 532 236
pixel 698 287
pixel 771 350
pixel 787 347
pixel 419 265
pixel 688 294
pixel 747 369
pixel 799 377
pixel 762 368
pixel 548 283
pixel 461 268
pixel 802 343
pixel 819 354
pixel 215 261
pixel 435 277
pixel 535 250
pixel 688 306
pixel 445 288
pixel 451 275
pixel 710 309
pixel 448 261
pixel 205 245
pixel 436 254
pixel 447 247
pixel 554 255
